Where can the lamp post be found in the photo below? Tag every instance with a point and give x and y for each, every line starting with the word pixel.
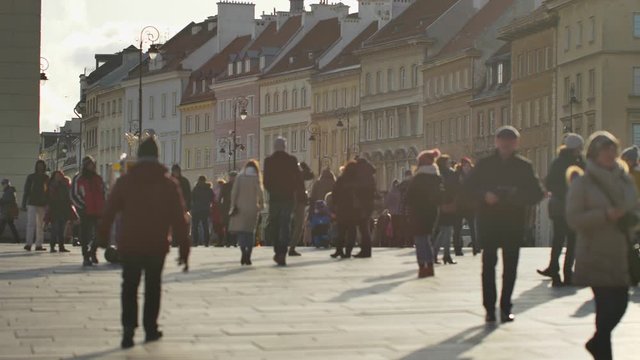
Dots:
pixel 239 102
pixel 315 133
pixel 44 65
pixel 148 34
pixel 229 146
pixel 343 113
pixel 572 100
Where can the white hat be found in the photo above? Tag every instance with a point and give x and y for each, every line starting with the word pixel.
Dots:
pixel 573 141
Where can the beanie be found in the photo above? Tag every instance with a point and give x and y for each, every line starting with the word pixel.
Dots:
pixel 573 141
pixel 148 149
pixel 428 157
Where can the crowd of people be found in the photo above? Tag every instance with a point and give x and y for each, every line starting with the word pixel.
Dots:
pixel 592 205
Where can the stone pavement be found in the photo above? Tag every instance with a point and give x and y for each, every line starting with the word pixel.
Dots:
pixel 317 308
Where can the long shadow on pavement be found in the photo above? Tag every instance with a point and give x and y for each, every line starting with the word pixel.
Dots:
pixel 97 355
pixel 68 269
pixel 370 290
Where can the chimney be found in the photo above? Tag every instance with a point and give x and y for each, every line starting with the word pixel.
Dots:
pixel 296 6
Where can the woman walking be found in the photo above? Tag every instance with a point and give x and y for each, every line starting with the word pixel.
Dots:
pixel 423 201
pixel 247 200
pixel 465 211
pixel 60 209
pixel 448 214
pixel 9 209
pixel 347 210
pixel 598 206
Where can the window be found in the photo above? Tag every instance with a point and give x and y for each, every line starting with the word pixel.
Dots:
pixel 414 75
pixel 540 60
pixel 187 124
pixel 207 157
pixel 325 101
pixel 367 84
pixel 526 115
pixel 379 127
pixel 108 108
pixel 457 82
pixel 378 82
pixel 536 112
pixel 441 136
pixel 294 99
pixel 451 130
pixel 174 148
pixel 207 122
pixel 120 106
pixel 567 89
pixel 504 116
pixel 520 65
pixel 230 69
pixel 334 98
pixel 197 123
pixel 316 103
pixel 294 141
pixel 500 73
pixel 592 29
pixel 636 81
pixel 636 24
pixel 343 141
pixel 579 35
pixel 276 102
pixel 303 97
pixel 531 66
pixel 129 110
pixel 303 140
pixel 481 124
pixel 490 75
pixel 592 83
pixel 187 158
pixel 151 106
pixel 519 116
pixel 343 101
pixel 113 107
pixel 579 86
pixel 389 80
pixel 567 38
pixel 251 146
pixel 285 100
pixel 548 56
pixel 354 96
pixel 102 113
pixel 492 121
pixel 163 105
pixel 174 103
pixel 198 158
pixel 247 65
pixel 391 127
pixel 403 78
pixel 334 142
pixel 267 104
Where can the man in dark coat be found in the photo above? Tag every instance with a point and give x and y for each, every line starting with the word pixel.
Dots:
pixel 505 185
pixel 150 203
pixel 185 188
pixel 8 209
pixel 570 155
pixel 281 179
pixel 225 209
pixel 302 199
pixel 34 202
pixel 201 198
pixel 365 196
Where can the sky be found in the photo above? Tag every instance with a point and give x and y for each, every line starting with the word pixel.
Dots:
pixel 74 30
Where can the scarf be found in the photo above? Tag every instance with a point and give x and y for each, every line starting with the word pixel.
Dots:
pixel 616 183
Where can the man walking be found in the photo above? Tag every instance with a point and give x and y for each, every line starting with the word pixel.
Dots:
pixel 302 199
pixel 150 203
pixel 87 195
pixel 185 187
pixel 504 184
pixel 202 197
pixel 281 179
pixel 225 209
pixel 34 202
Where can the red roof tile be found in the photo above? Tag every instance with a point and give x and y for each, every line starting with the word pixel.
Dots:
pixel 347 56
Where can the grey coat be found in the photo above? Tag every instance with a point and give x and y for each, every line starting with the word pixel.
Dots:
pixel 248 197
pixel 601 249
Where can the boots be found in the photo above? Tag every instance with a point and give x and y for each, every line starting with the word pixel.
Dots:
pixel 448 260
pixel 364 253
pixel 293 252
pixel 127 338
pixel 338 253
pixel 347 253
pixel 425 271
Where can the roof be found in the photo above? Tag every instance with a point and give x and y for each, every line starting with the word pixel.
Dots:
pixel 179 47
pixel 211 69
pixel 415 20
pixel 347 57
pixel 113 63
pixel 476 26
pixel 539 19
pixel 310 47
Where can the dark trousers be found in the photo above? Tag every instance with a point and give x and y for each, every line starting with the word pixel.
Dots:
pixel 457 233
pixel 611 304
pixel 346 237
pixel 88 225
pixel 57 233
pixel 510 256
pixel 12 227
pixel 562 233
pixel 198 219
pixel 279 225
pixel 132 268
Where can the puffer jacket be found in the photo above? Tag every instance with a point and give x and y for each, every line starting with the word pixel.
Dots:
pixel 88 193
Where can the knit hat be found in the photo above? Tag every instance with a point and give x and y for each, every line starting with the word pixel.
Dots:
pixel 631 154
pixel 507 132
pixel 466 160
pixel 573 141
pixel 428 157
pixel 280 144
pixel 148 149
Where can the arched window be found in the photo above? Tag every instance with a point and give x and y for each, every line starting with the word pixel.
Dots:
pixel 285 100
pixel 267 104
pixel 294 99
pixel 403 78
pixel 276 102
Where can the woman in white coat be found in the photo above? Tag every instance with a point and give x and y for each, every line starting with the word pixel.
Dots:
pixel 247 200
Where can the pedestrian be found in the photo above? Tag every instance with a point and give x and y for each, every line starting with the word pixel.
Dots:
pixel 631 156
pixel 88 197
pixel 60 210
pixel 347 209
pixel 281 179
pixel 225 207
pixel 322 186
pixel 150 203
pixel 465 211
pixel 600 208
pixel 34 202
pixel 9 209
pixel 185 187
pixel 365 197
pixel 424 196
pixel 504 184
pixel 301 201
pixel 406 238
pixel 201 199
pixel 448 209
pixel 247 200
pixel 569 155
pixel 393 204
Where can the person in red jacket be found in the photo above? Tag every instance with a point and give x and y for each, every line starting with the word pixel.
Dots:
pixel 87 195
pixel 150 204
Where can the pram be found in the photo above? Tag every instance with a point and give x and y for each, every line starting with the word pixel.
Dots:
pixel 320 222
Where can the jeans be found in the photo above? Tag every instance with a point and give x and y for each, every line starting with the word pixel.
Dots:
pixel 246 241
pixel 510 256
pixel 457 233
pixel 57 233
pixel 88 225
pixel 424 249
pixel 132 268
pixel 443 239
pixel 197 219
pixel 561 231
pixel 611 304
pixel 12 227
pixel 35 224
pixel 298 224
pixel 278 226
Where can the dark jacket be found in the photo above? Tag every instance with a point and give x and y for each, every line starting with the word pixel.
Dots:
pixel 451 184
pixel 345 200
pixel 556 181
pixel 185 187
pixel 403 187
pixel 35 190
pixel 366 185
pixel 60 202
pixel 201 198
pixel 225 200
pixel 322 186
pixel 7 201
pixel 150 204
pixel 517 186
pixel 281 177
pixel 424 196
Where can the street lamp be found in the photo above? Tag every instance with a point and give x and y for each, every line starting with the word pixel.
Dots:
pixel 315 133
pixel 148 34
pixel 44 65
pixel 239 102
pixel 572 100
pixel 229 146
pixel 343 113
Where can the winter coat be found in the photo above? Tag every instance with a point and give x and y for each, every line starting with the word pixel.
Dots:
pixel 601 248
pixel 403 187
pixel 282 177
pixel 60 207
pixel 424 196
pixel 465 205
pixel 149 202
pixel 201 198
pixel 7 201
pixel 248 198
pixel 517 186
pixel 322 187
pixel 35 190
pixel 225 201
pixel 556 181
pixel 366 190
pixel 393 201
pixel 88 194
pixel 451 190
pixel 185 188
pixel 345 199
